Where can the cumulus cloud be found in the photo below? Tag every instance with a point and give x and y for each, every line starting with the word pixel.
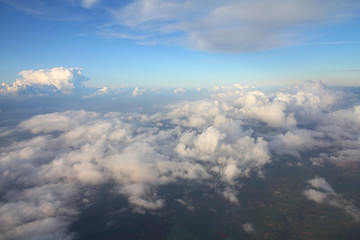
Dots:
pixel 178 90
pixel 249 228
pixel 231 135
pixel 295 141
pixel 230 194
pixel 137 92
pixel 71 150
pixel 45 81
pixel 101 91
pixel 324 193
pixel 232 26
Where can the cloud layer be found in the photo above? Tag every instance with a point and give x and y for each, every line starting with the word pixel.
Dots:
pixel 231 135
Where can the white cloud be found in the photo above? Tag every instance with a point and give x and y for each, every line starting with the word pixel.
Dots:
pixel 178 90
pixel 320 183
pixel 316 196
pixel 326 195
pixel 231 26
pixel 137 192
pixel 137 92
pixel 221 139
pixel 45 81
pixel 89 3
pixel 220 26
pixel 76 149
pixel 101 91
pixel 230 194
pixel 249 228
pixel 295 141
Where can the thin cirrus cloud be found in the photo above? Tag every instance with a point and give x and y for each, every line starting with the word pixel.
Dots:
pixel 231 26
pixel 232 134
pixel 89 3
pixel 62 10
pixel 215 26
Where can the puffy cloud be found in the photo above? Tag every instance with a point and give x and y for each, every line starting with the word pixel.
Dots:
pixel 101 91
pixel 249 228
pixel 324 193
pixel 137 92
pixel 295 141
pixel 45 81
pixel 38 213
pixel 342 128
pixel 230 194
pixel 217 141
pixel 320 183
pixel 178 90
pixel 136 193
pixel 66 152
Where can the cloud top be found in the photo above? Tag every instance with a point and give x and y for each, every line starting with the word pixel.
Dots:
pixel 59 79
pixel 218 141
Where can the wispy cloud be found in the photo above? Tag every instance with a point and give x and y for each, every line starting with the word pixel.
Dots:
pixel 333 43
pixel 89 3
pixel 324 194
pixel 54 10
pixel 232 26
pixel 215 26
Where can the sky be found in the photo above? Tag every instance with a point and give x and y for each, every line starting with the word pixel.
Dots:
pixel 146 95
pixel 184 44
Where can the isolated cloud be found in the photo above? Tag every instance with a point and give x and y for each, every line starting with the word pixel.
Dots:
pixel 248 227
pixel 178 90
pixel 230 194
pixel 137 92
pixel 323 193
pixel 45 81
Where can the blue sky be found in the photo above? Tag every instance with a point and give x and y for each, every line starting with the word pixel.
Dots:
pixel 158 43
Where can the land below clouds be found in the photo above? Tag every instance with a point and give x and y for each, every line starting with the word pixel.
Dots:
pixel 152 155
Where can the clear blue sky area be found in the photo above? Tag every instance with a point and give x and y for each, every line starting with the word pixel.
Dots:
pixel 158 43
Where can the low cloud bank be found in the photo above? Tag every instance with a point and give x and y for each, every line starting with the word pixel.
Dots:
pixel 231 135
